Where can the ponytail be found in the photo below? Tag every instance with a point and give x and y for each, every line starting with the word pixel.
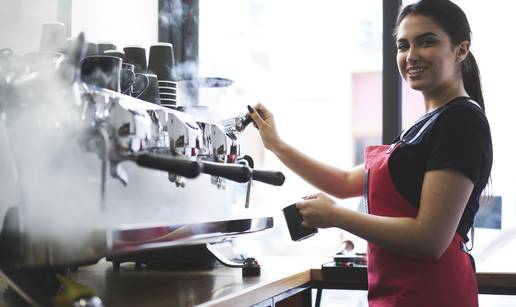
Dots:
pixel 471 78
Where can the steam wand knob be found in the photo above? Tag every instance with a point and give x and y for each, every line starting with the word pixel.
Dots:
pixel 251 267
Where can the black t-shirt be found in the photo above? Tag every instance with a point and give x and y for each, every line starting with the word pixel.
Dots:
pixel 460 139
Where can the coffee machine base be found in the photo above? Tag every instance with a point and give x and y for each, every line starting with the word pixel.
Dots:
pixel 194 257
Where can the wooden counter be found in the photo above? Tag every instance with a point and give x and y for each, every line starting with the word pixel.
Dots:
pixel 282 279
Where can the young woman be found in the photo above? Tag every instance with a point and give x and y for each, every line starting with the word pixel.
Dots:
pixel 422 192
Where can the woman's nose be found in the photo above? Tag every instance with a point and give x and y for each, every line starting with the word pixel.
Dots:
pixel 412 54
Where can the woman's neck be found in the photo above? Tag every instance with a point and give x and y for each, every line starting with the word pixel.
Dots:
pixel 441 96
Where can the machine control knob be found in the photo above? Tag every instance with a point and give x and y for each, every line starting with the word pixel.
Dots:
pixel 251 267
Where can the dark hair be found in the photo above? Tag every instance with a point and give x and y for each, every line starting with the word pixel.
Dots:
pixel 454 22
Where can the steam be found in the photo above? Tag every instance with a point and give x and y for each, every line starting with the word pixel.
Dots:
pixel 39 120
pixel 56 184
pixel 172 13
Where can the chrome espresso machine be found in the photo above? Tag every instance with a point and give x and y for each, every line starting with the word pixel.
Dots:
pixel 91 173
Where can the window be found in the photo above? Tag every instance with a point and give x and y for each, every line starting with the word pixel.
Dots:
pixel 315 64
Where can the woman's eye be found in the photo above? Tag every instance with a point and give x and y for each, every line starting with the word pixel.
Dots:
pixel 402 47
pixel 426 43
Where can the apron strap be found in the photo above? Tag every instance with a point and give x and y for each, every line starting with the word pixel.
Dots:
pixel 428 122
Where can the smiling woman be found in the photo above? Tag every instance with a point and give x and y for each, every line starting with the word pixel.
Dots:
pixel 421 192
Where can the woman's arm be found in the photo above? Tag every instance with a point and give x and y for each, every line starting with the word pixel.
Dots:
pixel 444 196
pixel 334 181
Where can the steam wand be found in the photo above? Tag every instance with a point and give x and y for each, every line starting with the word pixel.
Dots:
pixel 105 156
pixel 275 178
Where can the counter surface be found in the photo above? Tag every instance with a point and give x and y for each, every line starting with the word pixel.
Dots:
pixel 225 286
pixel 222 286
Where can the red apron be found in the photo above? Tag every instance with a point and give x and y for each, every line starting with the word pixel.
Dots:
pixel 402 281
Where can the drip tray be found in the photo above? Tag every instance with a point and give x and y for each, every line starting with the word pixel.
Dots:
pixel 177 244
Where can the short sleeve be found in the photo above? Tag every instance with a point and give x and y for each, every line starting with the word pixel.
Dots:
pixel 459 140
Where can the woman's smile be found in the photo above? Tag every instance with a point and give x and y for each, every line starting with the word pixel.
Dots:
pixel 416 71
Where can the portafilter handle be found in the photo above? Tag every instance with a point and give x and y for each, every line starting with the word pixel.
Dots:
pixel 177 166
pixel 246 120
pixel 234 172
pixel 270 177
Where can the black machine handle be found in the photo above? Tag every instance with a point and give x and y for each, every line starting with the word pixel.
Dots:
pixel 270 177
pixel 177 166
pixel 234 172
pixel 245 122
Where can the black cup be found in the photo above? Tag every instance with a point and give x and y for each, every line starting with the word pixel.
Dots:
pixel 103 46
pixel 167 90
pixel 146 88
pixel 161 61
pixel 136 55
pixel 167 96
pixel 91 49
pixel 294 220
pixel 117 53
pixel 102 70
pixel 168 102
pixel 165 83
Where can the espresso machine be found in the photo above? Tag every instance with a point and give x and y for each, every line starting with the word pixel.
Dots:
pixel 92 173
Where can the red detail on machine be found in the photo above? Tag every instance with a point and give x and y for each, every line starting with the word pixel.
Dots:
pixel 231 158
pixel 194 152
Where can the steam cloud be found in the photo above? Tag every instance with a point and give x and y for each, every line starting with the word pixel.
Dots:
pixel 56 184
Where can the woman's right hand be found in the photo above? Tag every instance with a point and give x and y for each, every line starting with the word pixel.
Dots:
pixel 264 121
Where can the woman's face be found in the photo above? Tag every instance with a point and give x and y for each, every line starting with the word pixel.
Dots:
pixel 426 59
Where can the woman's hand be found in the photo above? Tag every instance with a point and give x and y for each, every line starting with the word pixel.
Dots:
pixel 264 121
pixel 318 211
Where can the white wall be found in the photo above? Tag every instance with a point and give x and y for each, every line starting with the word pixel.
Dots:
pixel 21 22
pixel 123 22
pixel 120 21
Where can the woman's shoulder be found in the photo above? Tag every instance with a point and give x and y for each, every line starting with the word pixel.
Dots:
pixel 463 112
pixel 460 114
pixel 463 104
pixel 461 123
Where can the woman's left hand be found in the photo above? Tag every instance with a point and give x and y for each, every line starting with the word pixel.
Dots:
pixel 318 211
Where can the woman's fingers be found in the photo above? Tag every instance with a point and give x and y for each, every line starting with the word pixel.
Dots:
pixel 305 211
pixel 258 120
pixel 264 113
pixel 261 108
pixel 300 205
pixel 310 197
pixel 317 210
